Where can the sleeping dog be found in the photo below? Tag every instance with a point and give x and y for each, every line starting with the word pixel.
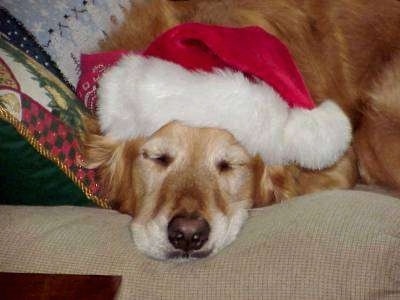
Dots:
pixel 189 187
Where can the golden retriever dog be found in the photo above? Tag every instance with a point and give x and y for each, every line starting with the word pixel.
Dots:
pixel 189 188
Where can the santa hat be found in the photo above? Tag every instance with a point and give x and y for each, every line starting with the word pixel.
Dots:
pixel 240 79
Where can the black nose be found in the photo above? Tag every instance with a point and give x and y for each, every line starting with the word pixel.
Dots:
pixel 188 233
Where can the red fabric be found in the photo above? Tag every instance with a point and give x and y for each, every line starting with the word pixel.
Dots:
pixel 250 50
pixel 92 67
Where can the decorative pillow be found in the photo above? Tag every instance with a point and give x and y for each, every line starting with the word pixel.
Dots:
pixel 67 28
pixel 40 120
pixel 14 31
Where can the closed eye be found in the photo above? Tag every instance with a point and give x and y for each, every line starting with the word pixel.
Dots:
pixel 163 159
pixel 224 166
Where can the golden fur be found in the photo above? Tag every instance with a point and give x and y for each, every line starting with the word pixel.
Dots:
pixel 347 51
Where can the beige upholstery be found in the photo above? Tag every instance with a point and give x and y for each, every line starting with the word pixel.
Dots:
pixel 334 245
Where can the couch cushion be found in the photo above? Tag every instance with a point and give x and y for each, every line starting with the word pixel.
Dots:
pixel 337 245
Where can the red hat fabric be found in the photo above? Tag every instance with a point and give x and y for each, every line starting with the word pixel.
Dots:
pixel 250 50
pixel 200 47
pixel 240 79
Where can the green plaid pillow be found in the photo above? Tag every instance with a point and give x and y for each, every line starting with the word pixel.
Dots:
pixel 40 122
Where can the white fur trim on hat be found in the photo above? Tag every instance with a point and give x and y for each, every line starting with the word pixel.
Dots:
pixel 140 94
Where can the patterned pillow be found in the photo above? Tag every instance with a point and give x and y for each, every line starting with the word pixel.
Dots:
pixel 16 34
pixel 40 120
pixel 67 28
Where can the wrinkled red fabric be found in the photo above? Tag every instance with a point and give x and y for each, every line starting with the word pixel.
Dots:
pixel 250 50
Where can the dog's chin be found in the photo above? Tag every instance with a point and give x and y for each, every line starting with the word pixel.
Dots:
pixel 181 256
pixel 151 238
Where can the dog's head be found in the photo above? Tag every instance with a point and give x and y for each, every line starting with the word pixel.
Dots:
pixel 188 188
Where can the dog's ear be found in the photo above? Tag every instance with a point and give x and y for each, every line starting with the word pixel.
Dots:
pixel 97 150
pixel 113 160
pixel 272 183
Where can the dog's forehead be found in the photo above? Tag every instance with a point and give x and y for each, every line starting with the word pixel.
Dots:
pixel 197 147
pixel 189 137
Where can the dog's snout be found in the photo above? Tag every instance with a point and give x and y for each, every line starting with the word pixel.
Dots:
pixel 188 233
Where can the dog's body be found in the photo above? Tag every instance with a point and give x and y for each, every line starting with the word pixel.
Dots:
pixel 348 51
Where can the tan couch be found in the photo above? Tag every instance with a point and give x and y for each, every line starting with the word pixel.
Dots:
pixel 333 245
